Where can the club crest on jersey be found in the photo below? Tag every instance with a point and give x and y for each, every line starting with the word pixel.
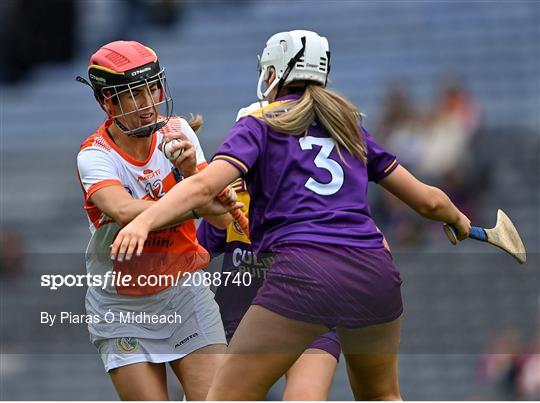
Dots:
pixel 127 344
pixel 237 227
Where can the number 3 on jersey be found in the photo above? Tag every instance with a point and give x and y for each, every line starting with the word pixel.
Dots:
pixel 323 161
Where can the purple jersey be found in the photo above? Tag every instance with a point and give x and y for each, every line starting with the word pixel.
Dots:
pixel 300 188
pixel 238 258
pixel 236 292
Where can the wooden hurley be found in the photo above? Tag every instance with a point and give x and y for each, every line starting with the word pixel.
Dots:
pixel 237 215
pixel 504 235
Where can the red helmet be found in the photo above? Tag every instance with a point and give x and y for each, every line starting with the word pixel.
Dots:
pixel 121 66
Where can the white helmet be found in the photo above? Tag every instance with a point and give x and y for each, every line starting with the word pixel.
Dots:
pixel 295 55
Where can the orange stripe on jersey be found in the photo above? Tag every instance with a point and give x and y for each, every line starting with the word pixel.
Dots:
pixel 94 214
pixel 95 139
pixel 100 185
pixel 168 182
pixel 202 165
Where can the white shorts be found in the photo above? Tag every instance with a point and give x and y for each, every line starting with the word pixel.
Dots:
pixel 200 326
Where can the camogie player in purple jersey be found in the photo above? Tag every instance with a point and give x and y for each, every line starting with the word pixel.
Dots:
pixel 242 274
pixel 307 161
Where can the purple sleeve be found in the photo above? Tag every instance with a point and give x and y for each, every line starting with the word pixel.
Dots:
pixel 380 162
pixel 244 144
pixel 211 238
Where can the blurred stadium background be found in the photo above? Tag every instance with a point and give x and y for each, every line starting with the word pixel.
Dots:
pixel 453 87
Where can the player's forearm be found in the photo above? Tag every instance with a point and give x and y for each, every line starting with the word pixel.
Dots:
pixel 177 203
pixel 129 211
pixel 428 201
pixel 439 207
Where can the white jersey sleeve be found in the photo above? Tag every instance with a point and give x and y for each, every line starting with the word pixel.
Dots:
pixel 255 106
pixel 188 131
pixel 96 170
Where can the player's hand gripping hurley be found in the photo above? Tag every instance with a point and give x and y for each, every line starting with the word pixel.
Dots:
pixel 237 214
pixel 504 235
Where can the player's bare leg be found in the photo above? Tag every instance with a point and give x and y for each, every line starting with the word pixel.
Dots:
pixel 140 381
pixel 372 360
pixel 311 376
pixel 263 348
pixel 196 371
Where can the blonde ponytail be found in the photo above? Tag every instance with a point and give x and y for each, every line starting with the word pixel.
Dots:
pixel 196 122
pixel 338 116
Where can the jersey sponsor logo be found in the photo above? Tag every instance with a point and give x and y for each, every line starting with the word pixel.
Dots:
pixel 186 339
pixel 243 257
pixel 237 227
pixel 163 238
pixel 148 174
pixel 127 344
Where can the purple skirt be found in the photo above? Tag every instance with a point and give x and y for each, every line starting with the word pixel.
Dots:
pixel 333 285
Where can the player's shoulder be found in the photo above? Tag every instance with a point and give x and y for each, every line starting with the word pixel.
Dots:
pixel 251 109
pixel 179 124
pixel 257 109
pixel 96 143
pixel 174 124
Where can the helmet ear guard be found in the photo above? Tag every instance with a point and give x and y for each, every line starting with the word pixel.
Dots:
pixel 296 56
pixel 273 56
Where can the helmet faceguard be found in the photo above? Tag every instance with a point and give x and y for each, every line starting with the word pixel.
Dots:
pixel 122 68
pixel 154 76
pixel 295 56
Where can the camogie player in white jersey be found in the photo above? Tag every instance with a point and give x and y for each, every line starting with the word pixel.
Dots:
pixel 153 312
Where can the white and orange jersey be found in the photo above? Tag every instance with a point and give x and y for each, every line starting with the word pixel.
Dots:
pixel 102 163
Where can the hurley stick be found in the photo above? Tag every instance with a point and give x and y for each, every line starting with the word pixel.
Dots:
pixel 504 235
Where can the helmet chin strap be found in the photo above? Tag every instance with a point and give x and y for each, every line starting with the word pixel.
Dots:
pixel 263 95
pixel 144 131
pixel 279 80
